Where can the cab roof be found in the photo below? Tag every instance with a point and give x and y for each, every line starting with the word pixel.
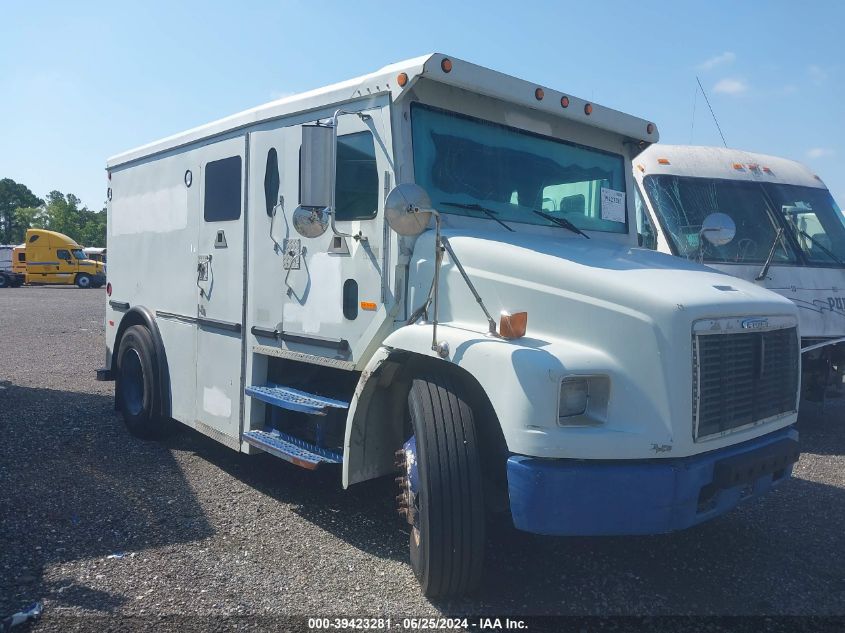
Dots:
pixel 53 236
pixel 723 163
pixel 462 74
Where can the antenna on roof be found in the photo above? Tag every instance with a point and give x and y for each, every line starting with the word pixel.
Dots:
pixel 692 123
pixel 711 111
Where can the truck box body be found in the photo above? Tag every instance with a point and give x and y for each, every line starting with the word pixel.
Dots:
pixel 263 303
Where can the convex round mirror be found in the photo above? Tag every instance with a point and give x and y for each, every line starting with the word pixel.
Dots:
pixel 718 229
pixel 408 209
pixel 310 221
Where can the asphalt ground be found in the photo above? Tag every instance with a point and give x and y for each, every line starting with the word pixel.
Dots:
pixel 94 522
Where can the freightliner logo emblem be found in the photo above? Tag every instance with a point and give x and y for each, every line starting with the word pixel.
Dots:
pixel 754 324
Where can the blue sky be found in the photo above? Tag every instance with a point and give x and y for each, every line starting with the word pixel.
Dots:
pixel 80 81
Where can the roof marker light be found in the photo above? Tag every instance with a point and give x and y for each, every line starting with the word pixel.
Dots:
pixel 663 161
pixel 539 93
pixel 768 170
pixel 650 128
pixel 738 166
pixel 753 167
pixel 446 65
pixel 402 79
pixel 564 101
pixel 588 109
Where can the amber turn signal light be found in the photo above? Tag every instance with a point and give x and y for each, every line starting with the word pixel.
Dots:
pixel 513 325
pixel 402 79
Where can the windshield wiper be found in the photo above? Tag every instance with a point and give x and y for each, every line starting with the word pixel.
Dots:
pixel 477 207
pixel 820 245
pixel 560 222
pixel 765 269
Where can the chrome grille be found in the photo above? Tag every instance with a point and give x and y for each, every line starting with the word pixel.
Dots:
pixel 743 378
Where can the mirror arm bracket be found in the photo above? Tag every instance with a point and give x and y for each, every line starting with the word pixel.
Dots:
pixel 330 210
pixel 491 324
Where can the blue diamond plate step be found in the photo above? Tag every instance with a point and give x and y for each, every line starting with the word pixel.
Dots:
pixel 294 400
pixel 292 448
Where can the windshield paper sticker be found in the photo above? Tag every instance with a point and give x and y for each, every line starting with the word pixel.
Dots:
pixel 612 205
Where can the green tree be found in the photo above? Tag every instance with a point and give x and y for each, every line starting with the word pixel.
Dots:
pixel 26 218
pixel 65 214
pixel 13 195
pixel 93 232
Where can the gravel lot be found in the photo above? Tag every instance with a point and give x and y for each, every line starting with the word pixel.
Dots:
pixel 205 531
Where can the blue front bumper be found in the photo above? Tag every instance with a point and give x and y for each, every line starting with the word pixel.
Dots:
pixel 577 497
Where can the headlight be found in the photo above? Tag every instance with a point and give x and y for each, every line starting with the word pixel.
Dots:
pixel 583 400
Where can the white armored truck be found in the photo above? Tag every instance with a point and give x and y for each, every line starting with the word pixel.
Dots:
pixel 789 236
pixel 431 273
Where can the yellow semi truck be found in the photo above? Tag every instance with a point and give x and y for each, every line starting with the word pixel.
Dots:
pixel 48 257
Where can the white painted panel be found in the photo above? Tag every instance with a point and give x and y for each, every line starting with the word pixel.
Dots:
pixel 160 211
pixel 323 304
pixel 179 340
pixel 216 402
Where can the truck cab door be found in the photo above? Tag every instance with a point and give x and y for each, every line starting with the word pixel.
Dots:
pixel 66 269
pixel 219 286
pixel 335 290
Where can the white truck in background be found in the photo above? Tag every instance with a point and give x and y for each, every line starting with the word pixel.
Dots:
pixel 9 276
pixel 789 236
pixel 431 273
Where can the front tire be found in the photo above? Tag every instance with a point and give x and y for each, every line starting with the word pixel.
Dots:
pixel 5 282
pixel 83 281
pixel 442 488
pixel 137 386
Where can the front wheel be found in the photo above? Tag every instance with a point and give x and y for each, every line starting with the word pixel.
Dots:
pixel 83 281
pixel 441 491
pixel 5 282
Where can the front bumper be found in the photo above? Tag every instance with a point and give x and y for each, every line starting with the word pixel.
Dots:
pixel 578 497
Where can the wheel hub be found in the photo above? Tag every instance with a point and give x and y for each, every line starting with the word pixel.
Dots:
pixel 408 482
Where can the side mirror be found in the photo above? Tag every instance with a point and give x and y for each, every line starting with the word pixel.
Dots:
pixel 316 171
pixel 718 229
pixel 408 209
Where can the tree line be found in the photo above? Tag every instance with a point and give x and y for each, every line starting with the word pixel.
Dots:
pixel 20 209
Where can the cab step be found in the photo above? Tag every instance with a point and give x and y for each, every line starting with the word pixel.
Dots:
pixel 292 449
pixel 294 400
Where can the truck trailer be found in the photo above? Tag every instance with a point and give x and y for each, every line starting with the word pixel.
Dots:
pixel 789 236
pixel 10 277
pixel 431 273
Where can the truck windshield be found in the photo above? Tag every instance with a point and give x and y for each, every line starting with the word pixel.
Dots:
pixel 459 159
pixel 814 220
pixel 78 254
pixel 683 202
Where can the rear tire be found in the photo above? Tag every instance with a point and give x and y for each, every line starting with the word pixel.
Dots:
pixel 445 495
pixel 5 282
pixel 137 386
pixel 83 281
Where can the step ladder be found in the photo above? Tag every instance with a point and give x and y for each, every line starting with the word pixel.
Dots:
pixel 286 446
